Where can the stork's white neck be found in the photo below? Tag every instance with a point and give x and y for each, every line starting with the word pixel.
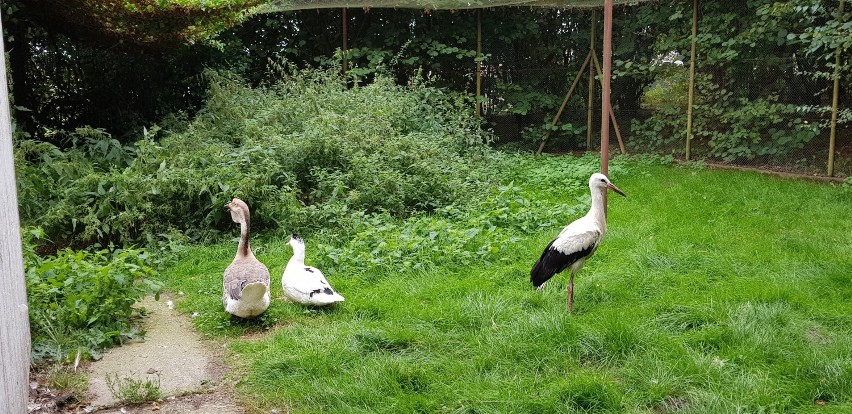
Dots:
pixel 597 211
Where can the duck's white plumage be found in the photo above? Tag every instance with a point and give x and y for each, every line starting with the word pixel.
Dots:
pixel 245 285
pixel 577 241
pixel 306 284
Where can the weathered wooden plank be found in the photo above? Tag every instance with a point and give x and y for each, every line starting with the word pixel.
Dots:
pixel 14 318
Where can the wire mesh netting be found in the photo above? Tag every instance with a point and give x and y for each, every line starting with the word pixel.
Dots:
pixel 285 5
pixel 767 107
pixel 798 116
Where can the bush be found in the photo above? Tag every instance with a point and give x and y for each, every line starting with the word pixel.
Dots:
pixel 306 141
pixel 484 232
pixel 81 301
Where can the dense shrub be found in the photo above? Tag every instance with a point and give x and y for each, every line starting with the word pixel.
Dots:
pixel 81 301
pixel 477 233
pixel 300 152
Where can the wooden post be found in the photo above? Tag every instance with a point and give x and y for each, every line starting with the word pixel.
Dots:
pixel 14 317
pixel 605 80
pixel 478 62
pixel 591 100
pixel 564 102
pixel 691 94
pixel 834 102
pixel 345 22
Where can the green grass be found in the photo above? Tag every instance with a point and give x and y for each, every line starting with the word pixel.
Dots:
pixel 714 292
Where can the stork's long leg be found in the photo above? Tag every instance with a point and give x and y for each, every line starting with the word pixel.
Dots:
pixel 571 293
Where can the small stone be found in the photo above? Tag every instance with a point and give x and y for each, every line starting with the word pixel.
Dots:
pixel 170 304
pixel 152 371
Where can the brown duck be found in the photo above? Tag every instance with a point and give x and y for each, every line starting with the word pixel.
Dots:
pixel 246 281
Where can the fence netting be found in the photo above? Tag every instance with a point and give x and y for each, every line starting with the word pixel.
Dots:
pixel 797 115
pixel 765 107
pixel 285 5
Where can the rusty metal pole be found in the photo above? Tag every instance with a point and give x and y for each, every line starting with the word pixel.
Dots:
pixel 345 46
pixel 834 103
pixel 591 100
pixel 605 90
pixel 691 95
pixel 478 62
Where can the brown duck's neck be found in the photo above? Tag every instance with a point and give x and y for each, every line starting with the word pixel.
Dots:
pixel 243 249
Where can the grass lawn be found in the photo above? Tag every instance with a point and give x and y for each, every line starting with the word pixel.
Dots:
pixel 714 292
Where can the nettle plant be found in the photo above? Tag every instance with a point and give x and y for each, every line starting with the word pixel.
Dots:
pixel 81 302
pixel 297 151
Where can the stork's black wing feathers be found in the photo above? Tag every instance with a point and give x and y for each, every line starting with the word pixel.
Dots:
pixel 553 261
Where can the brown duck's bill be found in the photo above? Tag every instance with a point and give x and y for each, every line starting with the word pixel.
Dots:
pixel 616 189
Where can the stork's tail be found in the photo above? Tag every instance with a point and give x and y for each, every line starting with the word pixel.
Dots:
pixel 538 275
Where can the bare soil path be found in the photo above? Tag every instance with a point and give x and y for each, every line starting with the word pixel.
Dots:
pixel 190 369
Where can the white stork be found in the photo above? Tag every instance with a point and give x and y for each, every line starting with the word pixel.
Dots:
pixel 577 241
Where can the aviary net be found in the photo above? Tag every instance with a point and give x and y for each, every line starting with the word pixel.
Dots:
pixel 284 5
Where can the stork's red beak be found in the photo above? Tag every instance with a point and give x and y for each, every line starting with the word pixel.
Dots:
pixel 616 189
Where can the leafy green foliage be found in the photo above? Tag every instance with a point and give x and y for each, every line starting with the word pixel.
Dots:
pixel 82 301
pixel 303 153
pixel 730 128
pixel 464 234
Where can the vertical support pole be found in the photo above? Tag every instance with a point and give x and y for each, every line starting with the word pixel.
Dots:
pixel 14 317
pixel 345 24
pixel 591 100
pixel 478 62
pixel 691 95
pixel 834 102
pixel 564 103
pixel 605 79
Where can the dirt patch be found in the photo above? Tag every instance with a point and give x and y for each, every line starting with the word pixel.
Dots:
pixel 173 352
pixel 190 371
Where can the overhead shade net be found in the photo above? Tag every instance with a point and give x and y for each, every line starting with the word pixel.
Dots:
pixel 284 5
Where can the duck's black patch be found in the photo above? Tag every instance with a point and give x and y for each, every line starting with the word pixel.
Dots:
pixel 315 292
pixel 328 291
pixel 309 270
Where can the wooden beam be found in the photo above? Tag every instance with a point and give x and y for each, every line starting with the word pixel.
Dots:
pixel 345 35
pixel 478 62
pixel 564 103
pixel 591 99
pixel 691 94
pixel 14 318
pixel 834 102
